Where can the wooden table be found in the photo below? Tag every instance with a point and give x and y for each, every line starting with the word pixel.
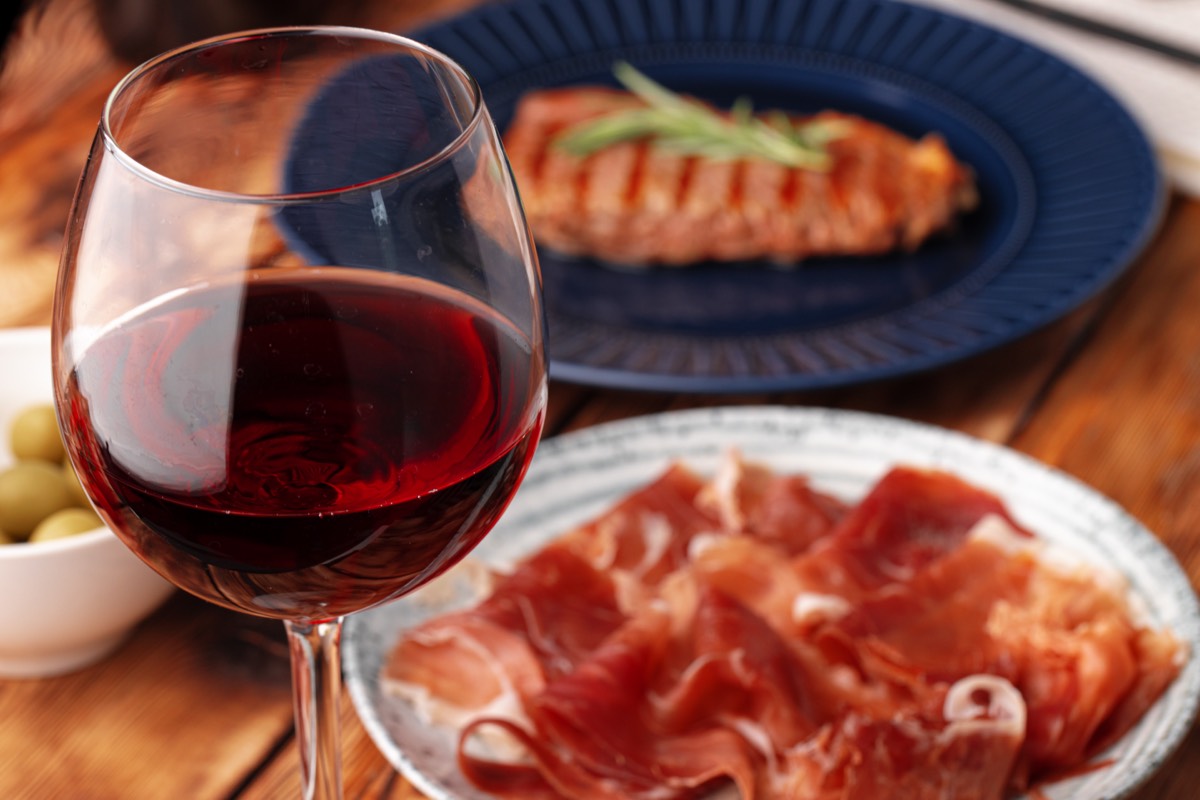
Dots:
pixel 196 704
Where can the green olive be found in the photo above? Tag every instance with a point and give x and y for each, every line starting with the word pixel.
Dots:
pixel 30 491
pixel 66 522
pixel 74 487
pixel 34 434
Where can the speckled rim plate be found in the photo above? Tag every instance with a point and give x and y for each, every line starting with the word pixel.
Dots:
pixel 1070 188
pixel 574 477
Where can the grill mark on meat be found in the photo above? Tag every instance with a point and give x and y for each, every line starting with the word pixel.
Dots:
pixel 685 182
pixel 637 179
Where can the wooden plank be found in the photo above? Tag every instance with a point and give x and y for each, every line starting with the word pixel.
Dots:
pixel 1125 418
pixel 185 708
pixel 366 773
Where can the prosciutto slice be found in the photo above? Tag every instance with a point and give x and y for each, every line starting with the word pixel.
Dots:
pixel 909 519
pixel 752 635
pixel 963 751
pixel 493 655
pixel 594 734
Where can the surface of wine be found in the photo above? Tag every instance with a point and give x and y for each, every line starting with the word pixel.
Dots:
pixel 305 443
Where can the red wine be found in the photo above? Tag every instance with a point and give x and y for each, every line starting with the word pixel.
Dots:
pixel 305 443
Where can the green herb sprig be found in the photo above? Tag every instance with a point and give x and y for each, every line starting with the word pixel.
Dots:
pixel 689 127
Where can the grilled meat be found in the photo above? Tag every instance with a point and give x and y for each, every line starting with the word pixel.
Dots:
pixel 639 204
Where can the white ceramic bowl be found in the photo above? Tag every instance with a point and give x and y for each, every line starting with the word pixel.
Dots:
pixel 67 602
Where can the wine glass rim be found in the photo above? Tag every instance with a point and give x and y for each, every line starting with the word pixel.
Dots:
pixel 288 198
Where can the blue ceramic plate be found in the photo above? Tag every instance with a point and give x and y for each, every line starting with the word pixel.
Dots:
pixel 1070 188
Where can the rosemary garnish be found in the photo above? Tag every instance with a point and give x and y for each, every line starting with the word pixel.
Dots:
pixel 689 127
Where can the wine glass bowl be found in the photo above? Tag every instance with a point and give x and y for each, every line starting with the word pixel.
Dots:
pixel 336 466
pixel 298 336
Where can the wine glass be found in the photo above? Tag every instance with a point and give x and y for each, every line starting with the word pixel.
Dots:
pixel 298 335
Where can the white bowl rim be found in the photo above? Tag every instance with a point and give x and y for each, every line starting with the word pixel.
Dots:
pixel 16 551
pixel 25 330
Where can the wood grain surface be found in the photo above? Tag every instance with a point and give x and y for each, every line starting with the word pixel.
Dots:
pixel 196 704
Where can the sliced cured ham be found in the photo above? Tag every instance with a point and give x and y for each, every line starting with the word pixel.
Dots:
pixel 646 535
pixel 508 646
pixel 752 634
pixel 964 750
pixel 784 511
pixel 593 734
pixel 909 519
pixel 1065 640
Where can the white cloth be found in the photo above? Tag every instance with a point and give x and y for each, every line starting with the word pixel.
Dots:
pixel 1162 93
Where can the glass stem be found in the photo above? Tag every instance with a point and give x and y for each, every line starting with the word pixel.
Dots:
pixel 316 690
